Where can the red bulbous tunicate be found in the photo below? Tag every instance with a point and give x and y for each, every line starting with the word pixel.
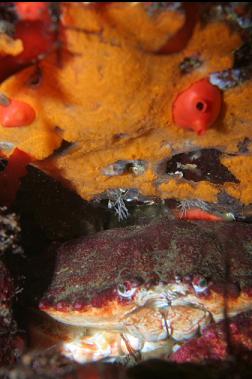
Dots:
pixel 16 114
pixel 37 30
pixel 198 107
pixel 33 10
pixel 37 38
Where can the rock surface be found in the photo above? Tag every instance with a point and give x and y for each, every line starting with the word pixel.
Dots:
pixel 232 338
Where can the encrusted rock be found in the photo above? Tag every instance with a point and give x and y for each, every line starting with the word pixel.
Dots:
pixel 230 338
pixel 9 232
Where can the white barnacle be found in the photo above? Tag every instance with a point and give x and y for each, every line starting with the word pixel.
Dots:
pixel 5 145
pixel 178 174
pixel 226 79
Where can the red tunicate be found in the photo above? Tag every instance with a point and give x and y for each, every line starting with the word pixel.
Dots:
pixel 36 29
pixel 16 114
pixel 33 10
pixel 197 107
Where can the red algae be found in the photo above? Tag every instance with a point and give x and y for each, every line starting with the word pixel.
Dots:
pixel 213 344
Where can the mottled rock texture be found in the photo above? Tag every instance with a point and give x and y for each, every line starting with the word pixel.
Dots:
pixel 227 339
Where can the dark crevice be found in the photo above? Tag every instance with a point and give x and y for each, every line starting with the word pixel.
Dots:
pixel 200 165
pixel 8 18
pixel 41 201
pixel 65 145
pixel 243 55
pixel 36 78
pixel 241 70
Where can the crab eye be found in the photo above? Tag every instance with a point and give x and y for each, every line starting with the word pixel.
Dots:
pixel 200 285
pixel 122 289
pixel 125 290
pixel 203 283
pixel 197 107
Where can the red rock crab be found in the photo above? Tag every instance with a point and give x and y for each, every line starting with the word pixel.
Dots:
pixel 146 288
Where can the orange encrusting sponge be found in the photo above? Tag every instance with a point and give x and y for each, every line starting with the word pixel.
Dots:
pixel 113 98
